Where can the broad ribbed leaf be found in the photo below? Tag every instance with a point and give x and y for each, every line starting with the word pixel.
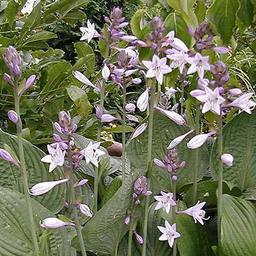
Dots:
pixel 238 227
pixel 240 141
pixel 223 15
pixel 37 172
pixel 15 236
pixel 164 131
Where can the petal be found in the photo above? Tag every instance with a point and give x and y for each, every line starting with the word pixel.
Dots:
pixel 47 159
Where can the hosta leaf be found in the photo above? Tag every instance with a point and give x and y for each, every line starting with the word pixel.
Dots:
pixel 15 236
pixel 37 172
pixel 238 227
pixel 224 12
pixel 243 148
pixel 40 36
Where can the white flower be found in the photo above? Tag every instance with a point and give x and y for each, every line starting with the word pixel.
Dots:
pixel 169 233
pixel 227 159
pixel 165 201
pixel 175 42
pixel 82 78
pixel 142 102
pixel 130 51
pixel 55 223
pixel 179 60
pixel 199 140
pixel 85 210
pixel 199 64
pixel 244 102
pixel 211 98
pixel 89 32
pixel 92 153
pixel 29 6
pixel 196 212
pixel 235 91
pixel 175 142
pixel 170 92
pixel 105 72
pixel 174 116
pixel 157 68
pixel 55 158
pixel 44 187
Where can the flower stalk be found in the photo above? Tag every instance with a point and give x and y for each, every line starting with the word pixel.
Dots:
pixel 174 210
pixel 149 166
pixel 24 172
pixel 123 132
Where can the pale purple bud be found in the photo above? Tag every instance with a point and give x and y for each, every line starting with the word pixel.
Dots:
pixel 139 43
pixel 142 102
pixel 80 183
pixel 12 115
pixel 85 210
pixel 174 178
pixel 129 38
pixel 138 238
pixel 136 81
pixel 132 118
pixel 6 156
pixel 13 60
pixel 30 81
pixel 175 142
pixel 127 220
pixel 221 50
pixel 130 72
pixel 175 117
pixel 57 138
pixel 197 92
pixel 99 111
pixel 139 130
pixel 130 107
pixel 105 72
pixel 8 78
pixel 235 91
pixel 199 140
pixel 53 223
pixel 82 78
pixel 107 118
pixel 227 159
pixel 141 187
pixel 44 187
pixel 57 127
pixel 159 163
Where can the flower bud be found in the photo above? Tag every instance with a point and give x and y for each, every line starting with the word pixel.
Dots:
pixel 136 81
pixel 85 210
pixel 30 81
pixel 8 78
pixel 106 118
pixel 13 117
pixel 105 72
pixel 138 238
pixel 174 116
pixel 54 223
pixel 178 140
pixel 235 91
pixel 142 102
pixel 130 107
pixel 139 130
pixel 227 159
pixel 199 140
pixel 6 156
pixel 44 187
pixel 127 220
pixel 80 183
pixel 13 60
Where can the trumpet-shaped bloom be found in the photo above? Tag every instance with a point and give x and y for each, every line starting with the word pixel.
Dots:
pixel 142 102
pixel 179 60
pixel 165 201
pixel 199 140
pixel 244 103
pixel 169 233
pixel 89 32
pixel 211 98
pixel 55 158
pixel 199 64
pixel 196 212
pixel 44 187
pixel 55 223
pixel 92 153
pixel 157 68
pixel 175 42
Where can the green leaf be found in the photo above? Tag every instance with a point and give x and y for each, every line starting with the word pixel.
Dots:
pixel 245 13
pixel 37 172
pixel 15 236
pixel 200 10
pixel 33 19
pixel 223 15
pixel 75 16
pixel 40 36
pixel 11 11
pixel 137 25
pixel 243 148
pixel 238 227
pixel 175 22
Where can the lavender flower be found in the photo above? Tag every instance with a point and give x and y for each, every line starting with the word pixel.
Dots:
pixel 227 159
pixel 165 201
pixel 13 60
pixel 169 233
pixel 140 187
pixel 12 115
pixel 6 156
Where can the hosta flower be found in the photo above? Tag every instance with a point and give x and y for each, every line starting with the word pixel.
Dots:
pixel 12 115
pixel 55 158
pixel 165 201
pixel 199 140
pixel 138 237
pixel 85 210
pixel 139 130
pixel 105 72
pixel 157 68
pixel 199 64
pixel 175 42
pixel 104 118
pixel 30 81
pixel 44 187
pixel 196 212
pixel 175 142
pixel 142 102
pixel 13 60
pixel 6 156
pixel 53 223
pixel 130 107
pixel 82 78
pixel 92 153
pixel 211 98
pixel 89 32
pixel 227 159
pixel 244 103
pixel 169 233
pixel 141 187
pixel 179 60
pixel 29 6
pixel 174 116
pixel 80 183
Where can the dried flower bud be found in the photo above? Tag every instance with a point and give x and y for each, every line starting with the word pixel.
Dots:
pixel 12 115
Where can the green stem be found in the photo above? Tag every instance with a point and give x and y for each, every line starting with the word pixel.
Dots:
pixel 24 173
pixel 196 162
pixel 220 183
pixel 174 209
pixel 130 238
pixel 149 167
pixel 123 132
pixel 73 202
